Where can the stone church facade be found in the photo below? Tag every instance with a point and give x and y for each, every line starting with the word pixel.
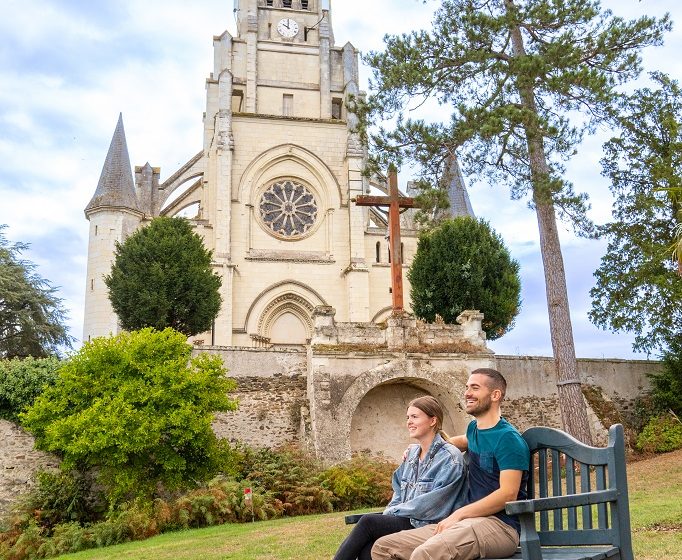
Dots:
pixel 271 189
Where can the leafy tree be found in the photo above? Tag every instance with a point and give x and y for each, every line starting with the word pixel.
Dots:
pixel 31 315
pixel 463 264
pixel 512 72
pixel 162 277
pixel 21 381
pixel 638 287
pixel 138 408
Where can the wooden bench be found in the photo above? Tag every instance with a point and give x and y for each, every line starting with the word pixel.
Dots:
pixel 578 499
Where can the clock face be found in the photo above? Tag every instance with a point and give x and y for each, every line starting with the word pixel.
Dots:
pixel 287 27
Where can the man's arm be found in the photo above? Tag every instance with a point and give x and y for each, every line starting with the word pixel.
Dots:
pixel 510 482
pixel 460 442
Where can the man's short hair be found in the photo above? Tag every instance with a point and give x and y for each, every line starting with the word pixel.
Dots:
pixel 495 379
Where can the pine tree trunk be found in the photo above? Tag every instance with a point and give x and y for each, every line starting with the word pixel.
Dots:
pixel 571 401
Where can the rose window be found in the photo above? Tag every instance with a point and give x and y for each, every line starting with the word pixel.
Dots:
pixel 288 209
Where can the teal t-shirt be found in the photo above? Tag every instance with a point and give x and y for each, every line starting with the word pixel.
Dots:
pixel 493 450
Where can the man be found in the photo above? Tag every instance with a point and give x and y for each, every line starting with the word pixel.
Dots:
pixel 498 470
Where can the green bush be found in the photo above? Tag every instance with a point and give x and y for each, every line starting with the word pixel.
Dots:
pixel 363 481
pixel 662 434
pixel 138 408
pixel 21 381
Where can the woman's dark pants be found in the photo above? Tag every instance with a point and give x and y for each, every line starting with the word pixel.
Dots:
pixel 371 526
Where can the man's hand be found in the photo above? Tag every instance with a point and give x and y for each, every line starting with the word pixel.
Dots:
pixel 448 522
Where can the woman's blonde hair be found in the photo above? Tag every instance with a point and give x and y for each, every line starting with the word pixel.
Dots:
pixel 432 408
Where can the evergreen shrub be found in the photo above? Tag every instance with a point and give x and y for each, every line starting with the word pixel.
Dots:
pixel 463 264
pixel 138 409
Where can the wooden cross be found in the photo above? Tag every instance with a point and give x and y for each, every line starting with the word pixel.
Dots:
pixel 394 202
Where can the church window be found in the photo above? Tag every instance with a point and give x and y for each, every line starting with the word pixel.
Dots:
pixel 95 230
pixel 92 284
pixel 378 249
pixel 288 209
pixel 268 2
pixel 389 254
pixel 237 100
pixel 304 4
pixel 337 106
pixel 287 105
pixel 286 3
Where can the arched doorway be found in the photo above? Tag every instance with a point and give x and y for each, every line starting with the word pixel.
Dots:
pixel 379 421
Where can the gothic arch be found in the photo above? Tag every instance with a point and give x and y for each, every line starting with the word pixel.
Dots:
pixel 286 304
pixel 287 296
pixel 313 170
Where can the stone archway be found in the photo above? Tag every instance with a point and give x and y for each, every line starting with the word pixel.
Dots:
pixel 378 423
pixel 337 406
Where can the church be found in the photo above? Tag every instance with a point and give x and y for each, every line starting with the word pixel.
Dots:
pixel 270 188
pixel 306 325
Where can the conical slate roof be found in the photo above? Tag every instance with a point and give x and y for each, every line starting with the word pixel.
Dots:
pixel 116 187
pixel 460 205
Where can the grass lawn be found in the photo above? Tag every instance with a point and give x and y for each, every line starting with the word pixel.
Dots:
pixel 655 504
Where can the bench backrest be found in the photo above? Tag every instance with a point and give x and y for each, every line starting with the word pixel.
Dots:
pixel 563 466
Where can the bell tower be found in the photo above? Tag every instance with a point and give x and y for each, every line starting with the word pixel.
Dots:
pixel 281 165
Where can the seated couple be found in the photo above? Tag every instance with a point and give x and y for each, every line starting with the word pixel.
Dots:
pixel 438 510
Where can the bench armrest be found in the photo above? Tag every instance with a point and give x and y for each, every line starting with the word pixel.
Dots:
pixel 560 502
pixel 353 519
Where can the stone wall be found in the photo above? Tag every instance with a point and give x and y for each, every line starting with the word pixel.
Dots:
pixel 613 386
pixel 359 394
pixel 399 333
pixel 271 389
pixel 18 463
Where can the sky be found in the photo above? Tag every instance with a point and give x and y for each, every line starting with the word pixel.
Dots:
pixel 69 67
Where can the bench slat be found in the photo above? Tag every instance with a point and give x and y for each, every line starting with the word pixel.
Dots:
pixel 585 487
pixel 570 489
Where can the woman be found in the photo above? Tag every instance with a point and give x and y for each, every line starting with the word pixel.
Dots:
pixel 428 485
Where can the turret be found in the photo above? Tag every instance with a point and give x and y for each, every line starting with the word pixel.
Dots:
pixel 460 205
pixel 114 212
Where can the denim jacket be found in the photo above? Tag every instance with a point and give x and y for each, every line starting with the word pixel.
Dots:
pixel 431 491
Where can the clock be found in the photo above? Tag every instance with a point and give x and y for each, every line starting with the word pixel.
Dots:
pixel 287 27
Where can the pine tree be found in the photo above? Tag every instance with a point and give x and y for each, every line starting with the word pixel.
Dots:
pixel 513 72
pixel 31 315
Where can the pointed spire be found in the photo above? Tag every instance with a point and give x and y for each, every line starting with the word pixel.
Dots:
pixel 460 205
pixel 116 187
